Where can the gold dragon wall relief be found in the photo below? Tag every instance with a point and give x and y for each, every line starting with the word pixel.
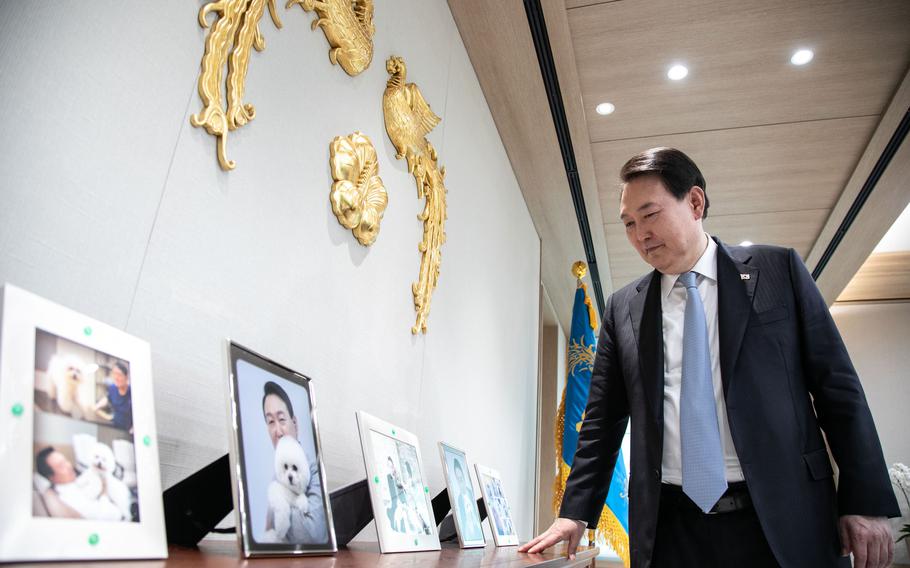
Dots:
pixel 358 197
pixel 408 119
pixel 229 43
pixel 348 27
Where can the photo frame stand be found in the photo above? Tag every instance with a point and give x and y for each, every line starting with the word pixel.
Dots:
pixel 445 520
pixel 195 505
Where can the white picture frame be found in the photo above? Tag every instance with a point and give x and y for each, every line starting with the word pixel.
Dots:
pixel 462 498
pixel 81 474
pixel 273 427
pixel 498 512
pixel 400 498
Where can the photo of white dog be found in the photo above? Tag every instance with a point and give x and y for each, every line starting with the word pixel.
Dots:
pixel 104 464
pixel 288 489
pixel 71 386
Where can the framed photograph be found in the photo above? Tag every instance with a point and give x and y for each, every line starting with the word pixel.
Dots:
pixel 77 437
pixel 461 496
pixel 280 499
pixel 398 490
pixel 498 512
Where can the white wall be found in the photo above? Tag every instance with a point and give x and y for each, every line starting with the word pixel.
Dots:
pixel 876 335
pixel 112 204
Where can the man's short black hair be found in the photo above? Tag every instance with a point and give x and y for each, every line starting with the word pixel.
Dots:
pixel 273 388
pixel 41 465
pixel 676 170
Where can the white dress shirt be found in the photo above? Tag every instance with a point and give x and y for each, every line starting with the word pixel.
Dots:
pixel 673 306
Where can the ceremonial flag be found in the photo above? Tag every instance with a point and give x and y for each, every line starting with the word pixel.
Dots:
pixel 613 525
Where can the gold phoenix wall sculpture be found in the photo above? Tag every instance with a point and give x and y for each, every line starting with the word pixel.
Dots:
pixel 358 197
pixel 408 119
pixel 348 27
pixel 232 36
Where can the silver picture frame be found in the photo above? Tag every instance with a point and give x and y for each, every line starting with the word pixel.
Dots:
pixel 253 460
pixel 462 498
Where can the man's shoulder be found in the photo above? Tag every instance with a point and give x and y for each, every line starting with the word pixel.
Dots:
pixel 758 254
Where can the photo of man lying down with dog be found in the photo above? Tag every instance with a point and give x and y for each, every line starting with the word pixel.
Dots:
pixel 84 457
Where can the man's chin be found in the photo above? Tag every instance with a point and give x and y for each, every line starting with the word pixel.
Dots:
pixel 657 262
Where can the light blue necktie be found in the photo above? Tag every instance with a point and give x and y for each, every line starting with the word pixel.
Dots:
pixel 702 457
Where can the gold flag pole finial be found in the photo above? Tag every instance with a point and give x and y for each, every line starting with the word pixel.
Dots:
pixel 579 269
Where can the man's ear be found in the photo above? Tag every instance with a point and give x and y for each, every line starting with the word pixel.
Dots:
pixel 697 201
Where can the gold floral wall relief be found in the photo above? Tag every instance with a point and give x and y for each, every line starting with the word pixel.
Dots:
pixel 358 197
pixel 348 27
pixel 230 41
pixel 408 119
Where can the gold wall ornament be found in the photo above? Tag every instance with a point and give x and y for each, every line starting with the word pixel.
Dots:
pixel 232 36
pixel 358 197
pixel 408 119
pixel 348 27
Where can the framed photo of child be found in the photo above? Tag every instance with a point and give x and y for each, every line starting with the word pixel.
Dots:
pixel 81 476
pixel 281 502
pixel 461 496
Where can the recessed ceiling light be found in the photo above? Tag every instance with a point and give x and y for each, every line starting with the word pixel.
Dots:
pixel 801 57
pixel 677 72
pixel 605 108
pixel 746 244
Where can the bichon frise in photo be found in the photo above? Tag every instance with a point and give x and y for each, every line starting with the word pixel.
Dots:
pixel 104 463
pixel 292 477
pixel 71 386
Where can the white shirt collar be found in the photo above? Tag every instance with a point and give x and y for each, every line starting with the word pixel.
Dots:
pixel 706 266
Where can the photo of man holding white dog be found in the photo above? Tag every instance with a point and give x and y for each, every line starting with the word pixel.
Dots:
pixel 285 493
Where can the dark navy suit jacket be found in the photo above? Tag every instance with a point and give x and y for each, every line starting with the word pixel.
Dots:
pixel 786 378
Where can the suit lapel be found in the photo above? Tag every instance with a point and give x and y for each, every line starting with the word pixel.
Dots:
pixel 645 313
pixel 736 283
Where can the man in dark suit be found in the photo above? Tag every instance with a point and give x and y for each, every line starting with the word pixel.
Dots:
pixel 730 367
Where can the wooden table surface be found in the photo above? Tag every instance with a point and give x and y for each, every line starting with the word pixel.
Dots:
pixel 223 554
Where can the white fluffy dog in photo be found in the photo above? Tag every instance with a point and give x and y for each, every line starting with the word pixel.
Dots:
pixel 104 464
pixel 292 477
pixel 71 386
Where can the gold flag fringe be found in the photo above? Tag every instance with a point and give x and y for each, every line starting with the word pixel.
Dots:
pixel 592 314
pixel 559 484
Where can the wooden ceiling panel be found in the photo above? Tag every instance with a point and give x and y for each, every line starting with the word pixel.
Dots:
pixel 499 44
pixel 759 169
pixel 793 229
pixel 738 58
pixel 884 276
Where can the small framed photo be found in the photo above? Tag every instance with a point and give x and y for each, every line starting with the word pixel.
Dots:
pixel 461 496
pixel 498 512
pixel 79 449
pixel 398 490
pixel 280 500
